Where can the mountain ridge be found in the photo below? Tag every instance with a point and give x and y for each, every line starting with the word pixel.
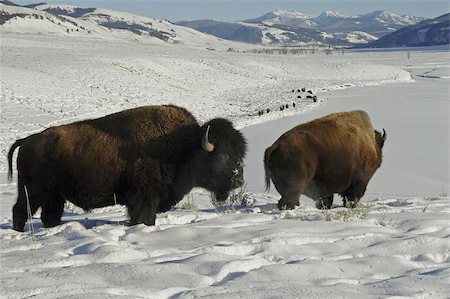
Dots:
pixel 293 28
pixel 280 27
pixel 426 33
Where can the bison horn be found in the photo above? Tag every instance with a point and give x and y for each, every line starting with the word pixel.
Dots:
pixel 384 134
pixel 206 145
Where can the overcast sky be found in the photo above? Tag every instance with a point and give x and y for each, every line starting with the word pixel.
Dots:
pixel 231 10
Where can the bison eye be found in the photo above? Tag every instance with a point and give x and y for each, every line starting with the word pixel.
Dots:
pixel 224 156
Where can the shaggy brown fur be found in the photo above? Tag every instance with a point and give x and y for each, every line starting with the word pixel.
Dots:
pixel 338 153
pixel 148 157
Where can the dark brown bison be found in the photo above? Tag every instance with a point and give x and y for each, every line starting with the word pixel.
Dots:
pixel 338 153
pixel 147 158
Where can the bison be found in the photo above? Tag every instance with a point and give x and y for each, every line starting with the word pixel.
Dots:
pixel 338 153
pixel 145 158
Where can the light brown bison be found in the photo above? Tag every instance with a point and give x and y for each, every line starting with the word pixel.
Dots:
pixel 338 153
pixel 148 158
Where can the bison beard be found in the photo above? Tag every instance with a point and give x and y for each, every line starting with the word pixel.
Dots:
pixel 147 157
pixel 338 153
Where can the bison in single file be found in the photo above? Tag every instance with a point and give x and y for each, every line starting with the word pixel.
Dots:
pixel 146 158
pixel 338 153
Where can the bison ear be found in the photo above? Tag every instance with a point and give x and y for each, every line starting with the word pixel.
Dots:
pixel 206 145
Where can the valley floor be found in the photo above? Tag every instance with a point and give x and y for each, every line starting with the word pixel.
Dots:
pixel 395 245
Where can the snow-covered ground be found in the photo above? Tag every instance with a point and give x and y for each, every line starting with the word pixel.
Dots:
pixel 395 245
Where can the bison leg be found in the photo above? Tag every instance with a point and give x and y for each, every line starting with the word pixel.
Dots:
pixel 290 195
pixel 20 209
pixel 52 210
pixel 289 200
pixel 287 203
pixel 324 202
pixel 353 194
pixel 142 209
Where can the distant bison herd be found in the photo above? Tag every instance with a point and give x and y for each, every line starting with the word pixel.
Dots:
pixel 148 158
pixel 302 94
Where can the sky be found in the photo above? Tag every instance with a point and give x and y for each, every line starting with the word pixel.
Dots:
pixel 231 10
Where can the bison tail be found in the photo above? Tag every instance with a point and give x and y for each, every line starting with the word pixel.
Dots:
pixel 267 154
pixel 10 156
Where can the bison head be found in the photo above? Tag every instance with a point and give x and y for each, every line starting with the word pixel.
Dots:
pixel 219 160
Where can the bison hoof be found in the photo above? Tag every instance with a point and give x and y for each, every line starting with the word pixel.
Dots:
pixel 350 204
pixel 18 228
pixel 286 206
pixel 18 225
pixel 53 223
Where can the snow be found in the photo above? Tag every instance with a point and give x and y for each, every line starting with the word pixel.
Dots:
pixel 89 26
pixel 289 13
pixel 333 14
pixel 389 17
pixel 396 244
pixel 358 37
pixel 287 17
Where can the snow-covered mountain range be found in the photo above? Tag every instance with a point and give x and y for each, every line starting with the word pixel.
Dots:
pixel 277 28
pixel 333 18
pixel 285 27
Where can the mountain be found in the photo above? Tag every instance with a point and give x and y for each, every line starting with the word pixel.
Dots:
pixel 283 17
pixel 69 20
pixel 377 23
pixel 386 17
pixel 328 18
pixel 227 30
pixel 290 27
pixel 426 33
pixel 275 34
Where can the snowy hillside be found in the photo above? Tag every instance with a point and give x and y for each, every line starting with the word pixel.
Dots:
pixel 25 20
pixel 396 244
pixel 73 21
pixel 228 30
pixel 357 37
